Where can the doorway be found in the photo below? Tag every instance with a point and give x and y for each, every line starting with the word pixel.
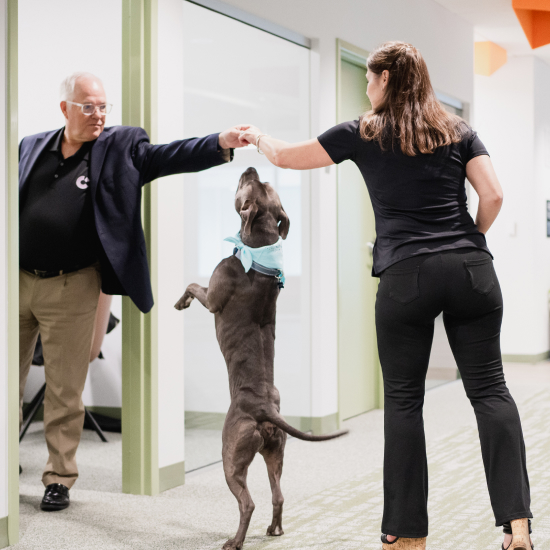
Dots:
pixel 55 24
pixel 359 376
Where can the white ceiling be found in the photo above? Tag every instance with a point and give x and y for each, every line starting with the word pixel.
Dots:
pixel 495 20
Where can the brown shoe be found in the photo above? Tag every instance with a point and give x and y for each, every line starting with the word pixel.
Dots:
pixel 401 543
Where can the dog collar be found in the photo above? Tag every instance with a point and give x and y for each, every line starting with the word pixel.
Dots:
pixel 265 259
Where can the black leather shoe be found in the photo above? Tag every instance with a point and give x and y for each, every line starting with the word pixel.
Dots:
pixel 56 497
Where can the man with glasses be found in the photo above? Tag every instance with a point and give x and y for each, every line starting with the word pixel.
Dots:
pixel 80 231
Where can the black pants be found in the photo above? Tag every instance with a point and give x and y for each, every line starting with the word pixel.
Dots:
pixel 463 285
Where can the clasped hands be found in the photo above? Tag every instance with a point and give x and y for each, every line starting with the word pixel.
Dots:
pixel 239 136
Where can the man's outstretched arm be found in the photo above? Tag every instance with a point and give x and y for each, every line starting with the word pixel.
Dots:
pixel 182 156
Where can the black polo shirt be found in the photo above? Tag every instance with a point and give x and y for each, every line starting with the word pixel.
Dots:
pixel 56 219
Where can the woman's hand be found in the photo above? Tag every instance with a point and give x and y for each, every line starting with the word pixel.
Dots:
pixel 249 135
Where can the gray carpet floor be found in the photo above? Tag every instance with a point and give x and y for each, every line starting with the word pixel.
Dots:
pixel 202 447
pixel 333 490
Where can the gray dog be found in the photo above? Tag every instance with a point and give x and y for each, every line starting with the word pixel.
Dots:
pixel 244 305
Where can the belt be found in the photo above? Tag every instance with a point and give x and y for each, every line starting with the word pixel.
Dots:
pixel 49 274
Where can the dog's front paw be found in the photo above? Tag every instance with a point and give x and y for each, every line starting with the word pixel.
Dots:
pixel 232 544
pixel 276 531
pixel 184 302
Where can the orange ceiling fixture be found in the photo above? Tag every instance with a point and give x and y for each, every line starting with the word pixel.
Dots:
pixel 489 57
pixel 534 17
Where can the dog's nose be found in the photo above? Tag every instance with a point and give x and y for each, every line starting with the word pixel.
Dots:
pixel 250 172
pixel 248 177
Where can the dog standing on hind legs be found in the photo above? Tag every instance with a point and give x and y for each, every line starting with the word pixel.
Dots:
pixel 243 300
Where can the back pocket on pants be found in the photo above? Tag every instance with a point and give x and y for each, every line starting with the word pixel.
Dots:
pixel 403 284
pixel 481 273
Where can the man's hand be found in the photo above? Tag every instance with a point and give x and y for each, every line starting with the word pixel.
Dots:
pixel 229 139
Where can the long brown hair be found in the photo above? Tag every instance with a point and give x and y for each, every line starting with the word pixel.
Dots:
pixel 410 111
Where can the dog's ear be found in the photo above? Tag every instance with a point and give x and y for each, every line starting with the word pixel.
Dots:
pixel 248 212
pixel 284 223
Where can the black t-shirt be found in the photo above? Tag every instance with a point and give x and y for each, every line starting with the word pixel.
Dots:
pixel 56 219
pixel 419 202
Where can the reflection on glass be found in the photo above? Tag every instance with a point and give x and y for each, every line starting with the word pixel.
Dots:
pixel 267 85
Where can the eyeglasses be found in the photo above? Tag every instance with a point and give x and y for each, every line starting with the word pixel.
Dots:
pixel 89 108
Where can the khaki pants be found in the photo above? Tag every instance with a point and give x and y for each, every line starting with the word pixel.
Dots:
pixel 62 309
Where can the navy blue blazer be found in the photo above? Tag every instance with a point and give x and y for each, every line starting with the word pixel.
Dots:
pixel 122 161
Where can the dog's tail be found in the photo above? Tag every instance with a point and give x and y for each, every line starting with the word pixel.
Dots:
pixel 280 422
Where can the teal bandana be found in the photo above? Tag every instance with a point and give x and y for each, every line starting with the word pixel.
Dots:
pixel 266 259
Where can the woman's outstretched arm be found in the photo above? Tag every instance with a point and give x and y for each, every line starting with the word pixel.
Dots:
pixel 305 155
pixel 482 176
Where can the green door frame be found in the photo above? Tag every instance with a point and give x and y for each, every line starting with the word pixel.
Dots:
pixel 140 471
pixel 358 56
pixel 12 175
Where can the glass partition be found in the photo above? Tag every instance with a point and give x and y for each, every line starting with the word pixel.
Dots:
pixel 263 80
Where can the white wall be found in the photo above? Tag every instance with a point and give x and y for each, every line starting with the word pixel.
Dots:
pixel 3 277
pixel 512 118
pixel 56 38
pixel 540 262
pixel 445 40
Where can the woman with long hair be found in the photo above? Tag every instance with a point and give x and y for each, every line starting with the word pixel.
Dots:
pixel 431 257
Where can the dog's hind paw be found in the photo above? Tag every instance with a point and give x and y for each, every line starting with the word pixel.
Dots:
pixel 231 544
pixel 276 531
